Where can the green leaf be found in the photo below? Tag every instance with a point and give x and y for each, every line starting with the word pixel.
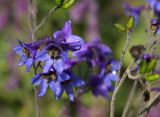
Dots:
pixel 59 2
pixel 152 77
pixel 151 65
pixel 143 67
pixel 120 27
pixel 65 3
pixel 130 23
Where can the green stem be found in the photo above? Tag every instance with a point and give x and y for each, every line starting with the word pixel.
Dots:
pixel 32 24
pixel 49 14
pixel 132 92
pixel 124 52
pixel 112 108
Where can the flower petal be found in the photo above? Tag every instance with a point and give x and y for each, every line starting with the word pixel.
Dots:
pixel 47 65
pixel 67 29
pixel 76 81
pixel 107 81
pixel 23 60
pixel 56 89
pixel 43 87
pixel 103 91
pixel 59 65
pixel 74 40
pixel 69 92
pixel 63 77
pixel 18 50
pixel 42 56
pixel 115 65
pixel 113 76
pixel 29 64
pixel 36 79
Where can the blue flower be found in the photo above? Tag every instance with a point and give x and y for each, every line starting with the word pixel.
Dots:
pixel 101 84
pixel 66 40
pixel 58 83
pixel 93 52
pixel 155 25
pixel 27 54
pixel 155 5
pixel 53 58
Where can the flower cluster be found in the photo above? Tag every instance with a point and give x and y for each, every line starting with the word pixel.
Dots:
pixel 98 57
pixel 155 6
pixel 146 68
pixel 50 55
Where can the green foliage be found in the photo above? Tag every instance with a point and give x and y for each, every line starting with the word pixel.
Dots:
pixel 143 67
pixel 151 65
pixel 152 77
pixel 65 3
pixel 120 27
pixel 130 23
pixel 59 2
pixel 147 67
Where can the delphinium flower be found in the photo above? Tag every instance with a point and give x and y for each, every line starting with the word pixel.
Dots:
pixel 66 39
pixel 147 63
pixel 155 26
pixel 155 23
pixel 145 70
pixel 155 5
pixel 101 84
pixel 53 57
pixel 55 54
pixel 30 51
pixel 93 52
pixel 133 11
pixel 58 83
pixel 98 56
pixel 50 54
pixel 27 54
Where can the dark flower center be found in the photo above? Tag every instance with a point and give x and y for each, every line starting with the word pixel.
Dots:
pixel 26 51
pixel 67 82
pixel 108 68
pixel 50 76
pixel 55 54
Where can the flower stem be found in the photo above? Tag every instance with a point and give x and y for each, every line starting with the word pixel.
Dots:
pixel 46 17
pixel 132 92
pixel 32 24
pixel 153 102
pixel 119 83
pixel 36 102
pixel 112 108
pixel 124 52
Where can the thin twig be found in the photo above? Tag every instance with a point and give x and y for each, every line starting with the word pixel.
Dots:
pixel 132 92
pixel 32 24
pixel 49 14
pixel 123 53
pixel 153 102
pixel 119 83
pixel 112 108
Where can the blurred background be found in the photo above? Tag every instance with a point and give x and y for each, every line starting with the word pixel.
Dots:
pixel 91 19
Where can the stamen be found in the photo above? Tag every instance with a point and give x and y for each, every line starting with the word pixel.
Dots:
pixel 26 51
